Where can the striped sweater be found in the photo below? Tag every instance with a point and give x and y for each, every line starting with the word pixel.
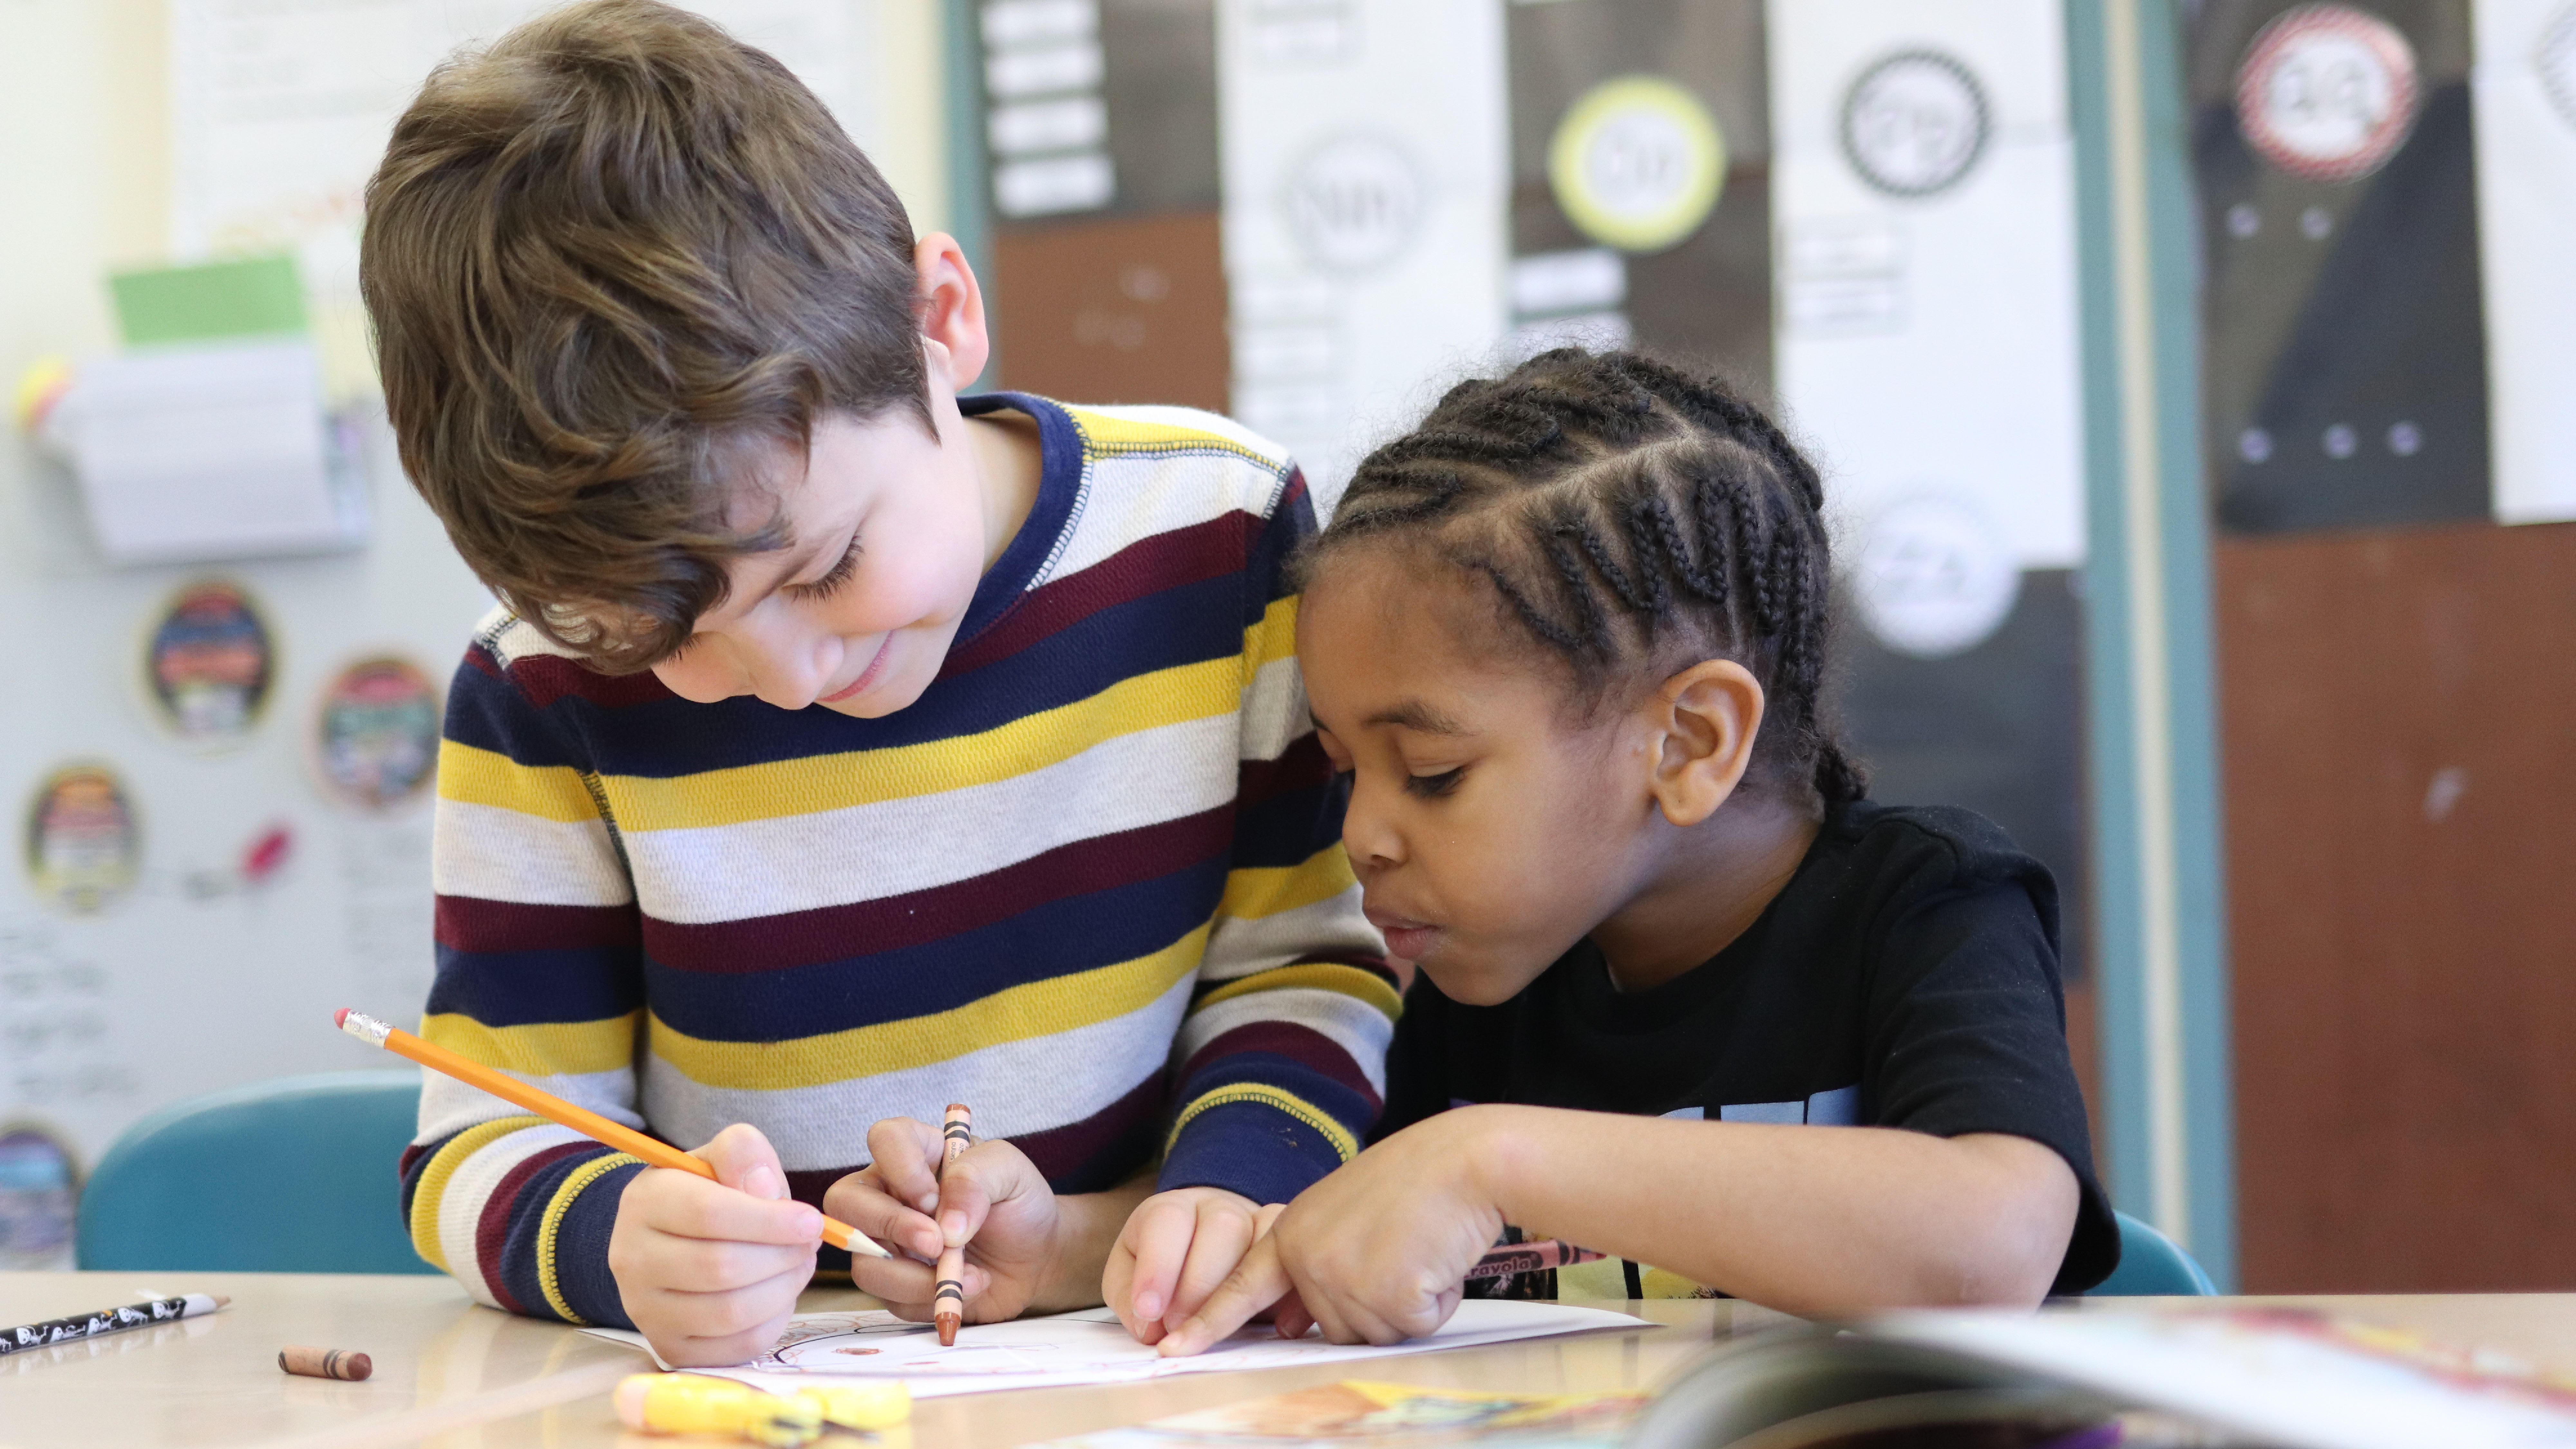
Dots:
pixel 1092 883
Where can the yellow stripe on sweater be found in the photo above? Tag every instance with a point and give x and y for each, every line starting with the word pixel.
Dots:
pixel 1273 637
pixel 556 1206
pixel 1269 1096
pixel 1019 1013
pixel 442 1166
pixel 1104 436
pixel 1252 892
pixel 867 777
pixel 545 1049
pixel 483 777
pixel 1349 981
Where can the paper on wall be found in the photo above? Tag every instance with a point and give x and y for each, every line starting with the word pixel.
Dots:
pixel 1091 1347
pixel 1928 344
pixel 2523 92
pixel 280 114
pixel 1365 155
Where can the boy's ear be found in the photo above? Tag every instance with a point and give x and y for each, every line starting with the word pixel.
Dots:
pixel 1706 717
pixel 952 310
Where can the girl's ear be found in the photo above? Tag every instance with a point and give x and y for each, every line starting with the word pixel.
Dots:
pixel 1705 717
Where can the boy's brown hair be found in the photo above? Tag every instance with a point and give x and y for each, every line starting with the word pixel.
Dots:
pixel 611 260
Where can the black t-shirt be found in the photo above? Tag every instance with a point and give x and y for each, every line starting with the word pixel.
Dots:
pixel 1905 977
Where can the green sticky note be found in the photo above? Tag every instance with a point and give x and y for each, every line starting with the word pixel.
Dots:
pixel 255 297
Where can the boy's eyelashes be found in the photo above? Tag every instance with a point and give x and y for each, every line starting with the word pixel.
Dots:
pixel 830 583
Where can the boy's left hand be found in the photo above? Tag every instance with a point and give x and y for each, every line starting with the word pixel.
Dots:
pixel 992 1198
pixel 1176 1248
pixel 1377 1252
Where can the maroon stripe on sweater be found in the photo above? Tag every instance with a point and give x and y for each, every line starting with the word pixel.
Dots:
pixel 830 933
pixel 1301 766
pixel 1300 1044
pixel 545 678
pixel 1150 565
pixel 492 1230
pixel 1101 1149
pixel 471 923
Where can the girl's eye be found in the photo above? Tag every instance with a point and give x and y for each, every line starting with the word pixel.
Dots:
pixel 829 584
pixel 1432 787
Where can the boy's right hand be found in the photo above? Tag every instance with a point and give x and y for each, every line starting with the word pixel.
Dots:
pixel 710 1271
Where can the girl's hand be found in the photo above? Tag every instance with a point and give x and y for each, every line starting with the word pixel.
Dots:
pixel 1174 1250
pixel 1376 1252
pixel 993 1200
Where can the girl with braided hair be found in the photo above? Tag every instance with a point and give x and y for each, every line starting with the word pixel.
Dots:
pixel 1569 639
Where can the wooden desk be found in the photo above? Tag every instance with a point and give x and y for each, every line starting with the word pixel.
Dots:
pixel 456 1375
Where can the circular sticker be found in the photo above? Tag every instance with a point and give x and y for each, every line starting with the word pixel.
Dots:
pixel 38 1189
pixel 83 843
pixel 2558 63
pixel 209 664
pixel 1936 577
pixel 2327 92
pixel 1355 203
pixel 376 734
pixel 1637 163
pixel 1915 123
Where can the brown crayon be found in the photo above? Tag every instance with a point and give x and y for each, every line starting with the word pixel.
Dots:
pixel 948 1299
pixel 1509 1258
pixel 324 1363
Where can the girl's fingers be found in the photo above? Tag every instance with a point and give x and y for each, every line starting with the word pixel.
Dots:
pixel 1159 1233
pixel 1290 1318
pixel 685 1205
pixel 1256 1283
pixel 1217 1245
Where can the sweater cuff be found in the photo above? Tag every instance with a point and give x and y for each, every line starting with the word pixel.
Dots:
pixel 1250 1138
pixel 579 1260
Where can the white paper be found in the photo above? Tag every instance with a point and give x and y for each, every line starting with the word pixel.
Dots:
pixel 1366 201
pixel 1091 1347
pixel 202 453
pixel 1927 324
pixel 2523 89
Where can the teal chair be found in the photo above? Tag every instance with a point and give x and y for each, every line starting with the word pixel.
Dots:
pixel 2152 1265
pixel 295 1175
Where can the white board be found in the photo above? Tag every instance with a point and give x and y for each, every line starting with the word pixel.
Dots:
pixel 2523 91
pixel 1927 289
pixel 1365 155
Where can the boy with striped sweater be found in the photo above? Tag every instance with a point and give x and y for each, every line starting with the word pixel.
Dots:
pixel 843 748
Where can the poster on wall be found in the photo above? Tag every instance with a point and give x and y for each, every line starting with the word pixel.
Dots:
pixel 209 665
pixel 1364 202
pixel 375 734
pixel 1930 357
pixel 83 845
pixel 2344 378
pixel 2524 93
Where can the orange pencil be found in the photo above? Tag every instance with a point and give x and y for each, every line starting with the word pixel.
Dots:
pixel 948 1300
pixel 555 1109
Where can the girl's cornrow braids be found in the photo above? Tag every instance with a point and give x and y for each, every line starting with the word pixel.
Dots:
pixel 1609 539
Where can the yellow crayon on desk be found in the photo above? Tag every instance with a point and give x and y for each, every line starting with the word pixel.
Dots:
pixel 700 1404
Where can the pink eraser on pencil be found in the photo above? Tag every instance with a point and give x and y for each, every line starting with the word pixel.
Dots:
pixel 341 1017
